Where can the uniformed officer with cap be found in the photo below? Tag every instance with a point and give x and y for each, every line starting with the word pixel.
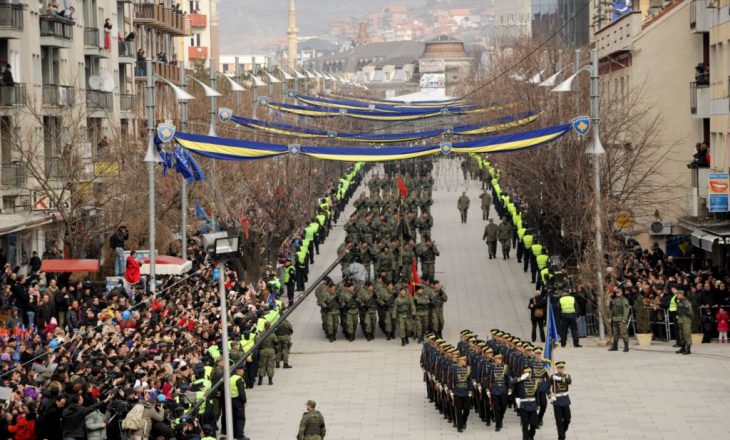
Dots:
pixel 499 382
pixel 312 425
pixel 462 391
pixel 560 399
pixel 526 390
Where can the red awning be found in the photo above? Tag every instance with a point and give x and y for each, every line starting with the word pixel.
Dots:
pixel 70 266
pixel 164 259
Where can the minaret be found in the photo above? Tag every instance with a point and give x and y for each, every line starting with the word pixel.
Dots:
pixel 291 32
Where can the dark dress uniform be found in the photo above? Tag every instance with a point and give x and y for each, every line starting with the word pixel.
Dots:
pixel 462 388
pixel 561 401
pixel 527 391
pixel 499 382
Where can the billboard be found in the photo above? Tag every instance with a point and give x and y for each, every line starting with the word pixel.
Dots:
pixel 718 192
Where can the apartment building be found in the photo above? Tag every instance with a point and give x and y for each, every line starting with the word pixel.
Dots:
pixel 658 49
pixel 203 40
pixel 73 85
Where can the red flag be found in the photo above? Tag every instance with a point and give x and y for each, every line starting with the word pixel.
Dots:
pixel 402 187
pixel 414 278
pixel 244 223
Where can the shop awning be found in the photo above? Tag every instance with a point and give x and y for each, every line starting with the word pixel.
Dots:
pixel 705 240
pixel 167 265
pixel 15 222
pixel 70 266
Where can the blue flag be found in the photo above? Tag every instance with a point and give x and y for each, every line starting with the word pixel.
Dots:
pixel 200 212
pixel 553 338
pixel 182 165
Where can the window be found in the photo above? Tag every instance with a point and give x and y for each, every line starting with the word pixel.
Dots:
pixel 6 140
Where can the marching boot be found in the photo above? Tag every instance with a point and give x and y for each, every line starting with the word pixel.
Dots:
pixel 271 381
pixel 614 347
pixel 681 349
pixel 387 336
pixel 402 342
pixel 687 350
pixel 278 365
pixel 261 379
pixel 407 342
pixel 626 346
pixel 286 365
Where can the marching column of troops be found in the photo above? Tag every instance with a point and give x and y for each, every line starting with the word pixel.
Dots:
pixel 378 263
pixel 491 376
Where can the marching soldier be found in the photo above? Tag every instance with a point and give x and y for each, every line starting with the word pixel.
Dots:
pixel 486 202
pixel 461 393
pixel 504 235
pixel 490 236
pixel 437 297
pixel 424 223
pixel 427 252
pixel 350 309
pixel 499 383
pixel 312 425
pixel 422 303
pixel 283 334
pixel 405 311
pixel 369 306
pixel 332 306
pixel 463 206
pixel 560 399
pixel 526 390
pixel 540 372
pixel 619 319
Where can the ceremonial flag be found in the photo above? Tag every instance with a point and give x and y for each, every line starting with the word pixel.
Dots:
pixel 402 187
pixel 415 279
pixel 244 223
pixel 200 212
pixel 553 338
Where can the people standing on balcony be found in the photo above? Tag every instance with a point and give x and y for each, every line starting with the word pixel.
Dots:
pixel 701 156
pixel 7 79
pixel 141 63
pixel 702 74
pixel 107 35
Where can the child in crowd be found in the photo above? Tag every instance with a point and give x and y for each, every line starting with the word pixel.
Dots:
pixel 722 325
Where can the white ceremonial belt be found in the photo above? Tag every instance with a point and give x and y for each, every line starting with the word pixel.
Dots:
pixel 531 399
pixel 561 395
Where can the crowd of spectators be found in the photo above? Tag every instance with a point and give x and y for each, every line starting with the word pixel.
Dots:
pixel 75 359
pixel 654 278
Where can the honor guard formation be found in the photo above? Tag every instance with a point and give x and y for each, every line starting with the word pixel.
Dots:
pixel 381 286
pixel 490 377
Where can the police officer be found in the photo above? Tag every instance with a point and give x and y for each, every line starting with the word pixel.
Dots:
pixel 619 319
pixel 568 319
pixel 560 399
pixel 312 425
pixel 238 401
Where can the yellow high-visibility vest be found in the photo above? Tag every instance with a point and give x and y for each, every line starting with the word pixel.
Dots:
pixel 567 304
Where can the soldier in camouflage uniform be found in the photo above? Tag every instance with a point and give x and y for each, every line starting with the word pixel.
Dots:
pixel 368 309
pixel 437 298
pixel 312 425
pixel 405 311
pixel 427 253
pixel 422 303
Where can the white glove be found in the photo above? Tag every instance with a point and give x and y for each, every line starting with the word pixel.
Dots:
pixel 524 376
pixel 489 394
pixel 479 388
pixel 553 399
pixel 517 401
pixel 557 378
pixel 469 393
pixel 474 382
pixel 452 395
pixel 509 392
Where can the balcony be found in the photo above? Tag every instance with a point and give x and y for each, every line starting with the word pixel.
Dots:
pixel 12 96
pixel 168 71
pixel 52 167
pixel 159 17
pixel 699 95
pixel 11 21
pixel 197 53
pixel 58 96
pixel 56 31
pixel 618 36
pixel 127 52
pixel 700 15
pixel 14 175
pixel 198 20
pixel 98 100
pixel 126 102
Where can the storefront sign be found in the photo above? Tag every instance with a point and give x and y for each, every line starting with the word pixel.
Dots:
pixel 718 192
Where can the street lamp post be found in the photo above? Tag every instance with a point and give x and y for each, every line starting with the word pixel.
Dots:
pixel 184 188
pixel 152 157
pixel 596 150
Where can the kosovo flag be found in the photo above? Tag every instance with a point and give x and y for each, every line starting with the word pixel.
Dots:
pixel 553 338
pixel 200 212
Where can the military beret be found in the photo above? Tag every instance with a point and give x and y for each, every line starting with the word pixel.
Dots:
pixel 560 364
pixel 538 350
pixel 465 332
pixel 498 356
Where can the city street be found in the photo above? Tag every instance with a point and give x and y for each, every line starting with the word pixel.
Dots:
pixel 374 390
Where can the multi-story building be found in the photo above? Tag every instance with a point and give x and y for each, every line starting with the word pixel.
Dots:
pixel 512 19
pixel 72 93
pixel 656 49
pixel 203 41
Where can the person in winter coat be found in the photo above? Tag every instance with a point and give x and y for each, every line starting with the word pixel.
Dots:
pixel 49 422
pixel 722 325
pixel 73 417
pixel 131 273
pixel 152 413
pixel 24 427
pixel 95 426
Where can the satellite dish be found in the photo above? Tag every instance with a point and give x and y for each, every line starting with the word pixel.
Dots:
pixel 107 81
pixel 95 82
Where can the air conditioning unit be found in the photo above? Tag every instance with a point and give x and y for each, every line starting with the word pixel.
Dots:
pixel 660 228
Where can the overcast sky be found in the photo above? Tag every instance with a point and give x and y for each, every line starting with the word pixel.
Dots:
pixel 246 24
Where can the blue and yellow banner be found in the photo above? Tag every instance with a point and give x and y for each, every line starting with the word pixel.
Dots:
pixel 235 149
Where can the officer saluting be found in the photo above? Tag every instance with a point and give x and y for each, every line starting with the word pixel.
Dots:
pixel 560 399
pixel 312 425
